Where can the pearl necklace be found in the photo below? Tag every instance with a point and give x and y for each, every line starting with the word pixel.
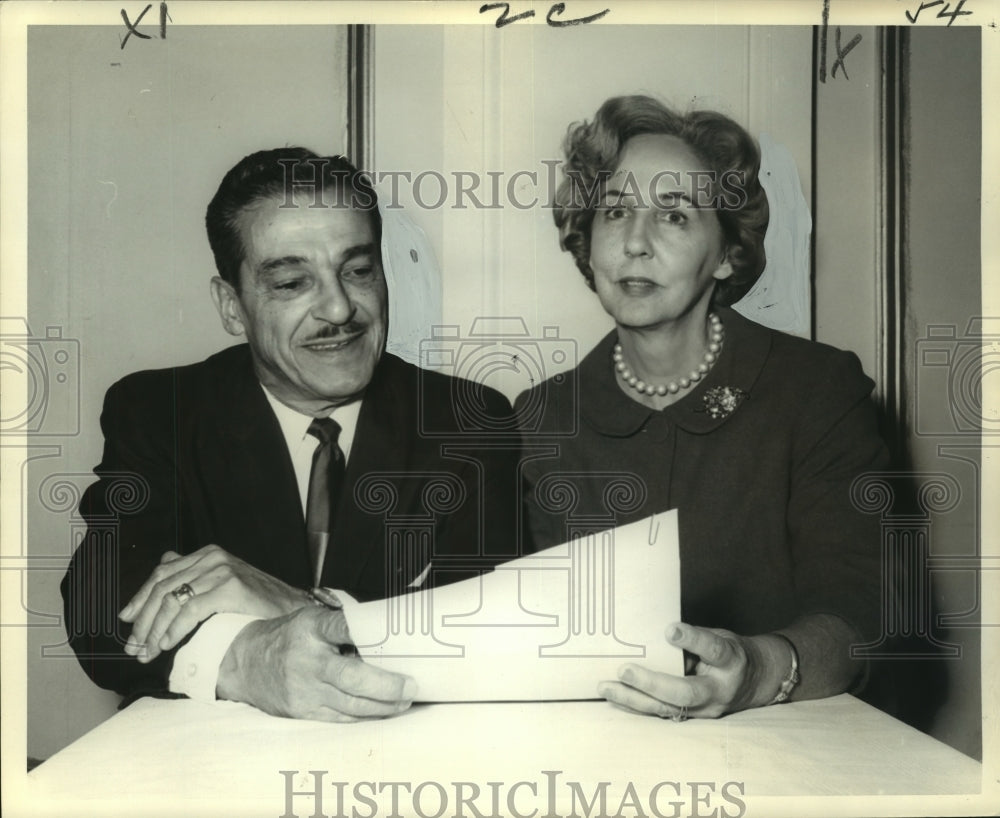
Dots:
pixel 716 334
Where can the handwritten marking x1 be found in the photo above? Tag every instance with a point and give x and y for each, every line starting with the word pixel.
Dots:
pixel 133 27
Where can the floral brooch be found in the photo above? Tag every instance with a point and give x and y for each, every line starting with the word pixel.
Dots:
pixel 722 401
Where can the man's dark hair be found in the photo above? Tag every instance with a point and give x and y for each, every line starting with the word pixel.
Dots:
pixel 285 174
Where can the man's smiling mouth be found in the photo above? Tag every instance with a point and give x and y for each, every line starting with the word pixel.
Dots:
pixel 331 344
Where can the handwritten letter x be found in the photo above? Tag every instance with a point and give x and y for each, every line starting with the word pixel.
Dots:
pixel 131 26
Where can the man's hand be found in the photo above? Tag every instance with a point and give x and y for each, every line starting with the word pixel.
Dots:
pixel 729 675
pixel 292 666
pixel 220 582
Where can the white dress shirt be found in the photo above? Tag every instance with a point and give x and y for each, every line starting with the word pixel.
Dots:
pixel 195 672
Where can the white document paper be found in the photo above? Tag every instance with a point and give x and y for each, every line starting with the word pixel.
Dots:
pixel 548 626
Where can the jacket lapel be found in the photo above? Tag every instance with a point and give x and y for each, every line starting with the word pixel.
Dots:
pixel 248 472
pixel 254 508
pixel 382 445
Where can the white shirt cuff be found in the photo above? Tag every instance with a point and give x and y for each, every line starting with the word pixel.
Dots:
pixel 196 665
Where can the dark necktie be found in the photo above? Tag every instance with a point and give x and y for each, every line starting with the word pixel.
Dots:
pixel 325 479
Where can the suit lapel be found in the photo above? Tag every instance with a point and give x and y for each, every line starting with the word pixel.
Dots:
pixel 254 504
pixel 382 443
pixel 249 471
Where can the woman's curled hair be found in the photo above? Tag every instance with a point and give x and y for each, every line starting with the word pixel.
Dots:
pixel 593 150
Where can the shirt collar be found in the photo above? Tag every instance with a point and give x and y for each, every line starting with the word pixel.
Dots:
pixel 295 426
pixel 611 412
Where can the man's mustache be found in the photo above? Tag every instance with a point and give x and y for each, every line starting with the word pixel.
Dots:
pixel 334 332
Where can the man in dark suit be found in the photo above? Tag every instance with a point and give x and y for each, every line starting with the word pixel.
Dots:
pixel 231 460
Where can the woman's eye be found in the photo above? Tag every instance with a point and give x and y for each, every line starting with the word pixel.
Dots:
pixel 673 216
pixel 612 213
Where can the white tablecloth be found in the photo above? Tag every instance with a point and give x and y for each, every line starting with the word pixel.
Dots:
pixel 188 758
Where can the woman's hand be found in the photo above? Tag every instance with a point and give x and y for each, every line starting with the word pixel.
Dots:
pixel 730 673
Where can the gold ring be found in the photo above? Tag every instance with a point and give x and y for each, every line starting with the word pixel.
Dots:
pixel 183 593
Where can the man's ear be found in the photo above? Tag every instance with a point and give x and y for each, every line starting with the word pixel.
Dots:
pixel 227 302
pixel 724 270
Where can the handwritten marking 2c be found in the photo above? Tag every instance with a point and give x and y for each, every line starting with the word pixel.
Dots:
pixel 505 18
